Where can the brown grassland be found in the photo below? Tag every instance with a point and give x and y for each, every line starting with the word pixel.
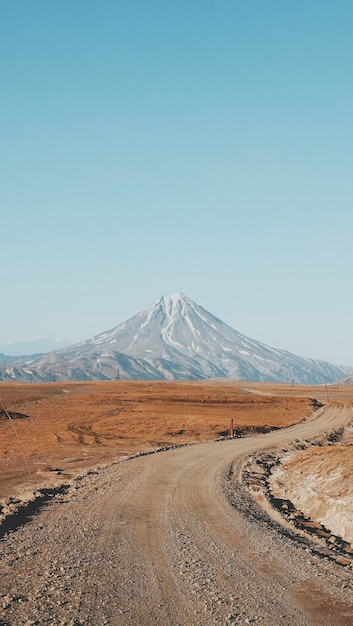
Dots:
pixel 58 429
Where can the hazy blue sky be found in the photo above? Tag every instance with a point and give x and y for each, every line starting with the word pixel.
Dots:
pixel 153 146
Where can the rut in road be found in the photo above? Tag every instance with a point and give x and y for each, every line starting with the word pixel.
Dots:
pixel 156 541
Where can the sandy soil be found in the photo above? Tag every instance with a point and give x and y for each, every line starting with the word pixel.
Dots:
pixel 68 427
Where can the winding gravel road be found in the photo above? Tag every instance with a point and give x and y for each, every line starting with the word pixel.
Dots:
pixel 171 539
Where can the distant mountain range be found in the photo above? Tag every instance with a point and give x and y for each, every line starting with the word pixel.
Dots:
pixel 174 338
pixel 37 344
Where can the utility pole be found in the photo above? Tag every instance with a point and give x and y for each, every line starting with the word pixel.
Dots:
pixel 231 428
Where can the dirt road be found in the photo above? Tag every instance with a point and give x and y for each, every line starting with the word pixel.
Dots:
pixel 171 539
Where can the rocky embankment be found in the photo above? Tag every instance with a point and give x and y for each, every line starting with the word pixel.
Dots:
pixel 310 484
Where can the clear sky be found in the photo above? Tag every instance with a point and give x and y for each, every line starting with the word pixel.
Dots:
pixel 154 146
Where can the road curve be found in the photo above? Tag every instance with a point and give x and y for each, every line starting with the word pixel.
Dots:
pixel 167 539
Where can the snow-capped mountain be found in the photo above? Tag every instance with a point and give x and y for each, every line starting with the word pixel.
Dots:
pixel 173 338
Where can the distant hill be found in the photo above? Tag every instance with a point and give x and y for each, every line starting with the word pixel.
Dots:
pixel 174 338
pixel 35 345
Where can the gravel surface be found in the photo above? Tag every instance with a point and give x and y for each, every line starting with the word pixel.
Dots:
pixel 173 539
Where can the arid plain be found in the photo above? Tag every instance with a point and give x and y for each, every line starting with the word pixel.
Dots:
pixel 58 429
pixel 175 537
pixel 50 433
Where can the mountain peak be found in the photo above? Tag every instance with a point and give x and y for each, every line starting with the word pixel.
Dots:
pixel 178 295
pixel 173 299
pixel 175 302
pixel 173 338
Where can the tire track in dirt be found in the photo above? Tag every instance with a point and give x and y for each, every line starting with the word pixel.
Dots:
pixel 87 428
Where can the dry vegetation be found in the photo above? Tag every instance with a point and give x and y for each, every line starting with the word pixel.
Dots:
pixel 58 429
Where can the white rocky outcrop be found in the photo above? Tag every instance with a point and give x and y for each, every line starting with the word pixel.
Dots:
pixel 318 481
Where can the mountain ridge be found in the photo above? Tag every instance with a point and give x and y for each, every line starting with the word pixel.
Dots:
pixel 173 338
